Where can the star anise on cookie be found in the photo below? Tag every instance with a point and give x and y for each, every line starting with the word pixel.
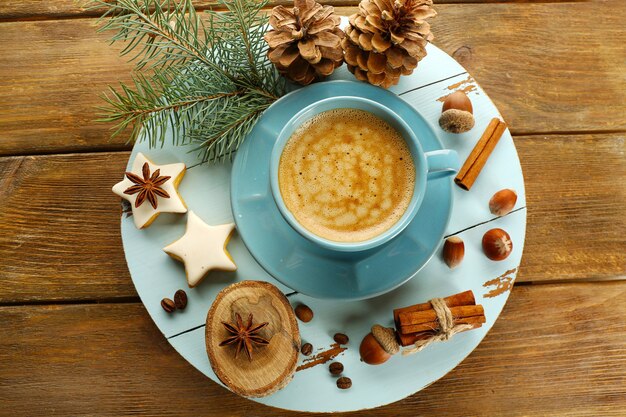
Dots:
pixel 148 187
pixel 245 336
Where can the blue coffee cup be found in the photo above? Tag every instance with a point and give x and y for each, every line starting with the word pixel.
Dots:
pixel 428 166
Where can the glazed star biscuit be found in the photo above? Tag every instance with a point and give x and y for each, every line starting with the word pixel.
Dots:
pixel 202 248
pixel 151 190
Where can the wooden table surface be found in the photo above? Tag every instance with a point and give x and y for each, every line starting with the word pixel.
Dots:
pixel 75 339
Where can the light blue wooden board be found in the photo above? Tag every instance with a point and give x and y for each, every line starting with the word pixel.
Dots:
pixel 401 375
pixel 206 189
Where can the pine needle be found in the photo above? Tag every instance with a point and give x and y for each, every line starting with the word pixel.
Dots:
pixel 204 78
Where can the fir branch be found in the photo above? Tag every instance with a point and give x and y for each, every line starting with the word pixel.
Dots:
pixel 209 79
pixel 166 32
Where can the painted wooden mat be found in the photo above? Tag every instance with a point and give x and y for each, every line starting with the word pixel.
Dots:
pixel 206 192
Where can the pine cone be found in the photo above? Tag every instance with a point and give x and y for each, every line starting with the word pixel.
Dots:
pixel 386 39
pixel 305 42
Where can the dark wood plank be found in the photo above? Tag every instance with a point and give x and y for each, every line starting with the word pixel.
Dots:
pixel 543 75
pixel 36 9
pixel 51 77
pixel 575 196
pixel 60 235
pixel 544 72
pixel 60 221
pixel 110 360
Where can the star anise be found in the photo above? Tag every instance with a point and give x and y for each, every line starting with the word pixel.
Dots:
pixel 148 187
pixel 246 336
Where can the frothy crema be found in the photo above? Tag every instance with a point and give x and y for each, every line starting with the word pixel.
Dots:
pixel 346 175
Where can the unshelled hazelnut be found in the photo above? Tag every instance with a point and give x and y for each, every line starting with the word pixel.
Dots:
pixel 372 352
pixel 497 244
pixel 453 251
pixel 502 202
pixel 457 113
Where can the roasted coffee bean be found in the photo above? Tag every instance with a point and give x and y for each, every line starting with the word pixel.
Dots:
pixel 304 313
pixel 168 305
pixel 344 382
pixel 335 368
pixel 341 338
pixel 306 349
pixel 180 299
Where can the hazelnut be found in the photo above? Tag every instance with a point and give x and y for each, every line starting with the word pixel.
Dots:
pixel 304 313
pixel 502 202
pixel 497 244
pixel 453 251
pixel 457 113
pixel 372 352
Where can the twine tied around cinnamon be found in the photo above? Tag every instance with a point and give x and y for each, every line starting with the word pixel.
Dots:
pixel 386 336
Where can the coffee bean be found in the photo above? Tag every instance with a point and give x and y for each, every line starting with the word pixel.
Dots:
pixel 168 305
pixel 344 382
pixel 304 313
pixel 341 338
pixel 335 368
pixel 180 299
pixel 306 349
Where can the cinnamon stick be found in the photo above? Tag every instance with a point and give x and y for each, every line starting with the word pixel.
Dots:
pixel 433 326
pixel 479 155
pixel 461 299
pixel 409 339
pixel 418 317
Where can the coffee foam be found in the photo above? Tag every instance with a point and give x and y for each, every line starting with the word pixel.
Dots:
pixel 346 175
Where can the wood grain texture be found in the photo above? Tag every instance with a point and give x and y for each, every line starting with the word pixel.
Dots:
pixel 60 220
pixel 268 368
pixel 575 196
pixel 110 359
pixel 52 72
pixel 51 77
pixel 533 62
pixel 60 235
pixel 547 68
pixel 36 9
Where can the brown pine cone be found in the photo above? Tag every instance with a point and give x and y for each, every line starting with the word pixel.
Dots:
pixel 386 39
pixel 305 42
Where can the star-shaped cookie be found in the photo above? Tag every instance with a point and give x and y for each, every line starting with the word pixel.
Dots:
pixel 151 190
pixel 202 248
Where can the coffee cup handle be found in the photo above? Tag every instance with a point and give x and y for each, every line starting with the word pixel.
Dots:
pixel 442 163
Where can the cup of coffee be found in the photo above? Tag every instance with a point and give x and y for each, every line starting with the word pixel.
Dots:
pixel 349 174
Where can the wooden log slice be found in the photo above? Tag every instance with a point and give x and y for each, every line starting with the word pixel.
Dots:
pixel 272 366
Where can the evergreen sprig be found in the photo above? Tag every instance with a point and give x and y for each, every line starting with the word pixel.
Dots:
pixel 206 75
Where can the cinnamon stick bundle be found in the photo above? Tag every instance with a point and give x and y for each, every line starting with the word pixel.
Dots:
pixel 411 338
pixel 465 298
pixel 419 321
pixel 478 157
